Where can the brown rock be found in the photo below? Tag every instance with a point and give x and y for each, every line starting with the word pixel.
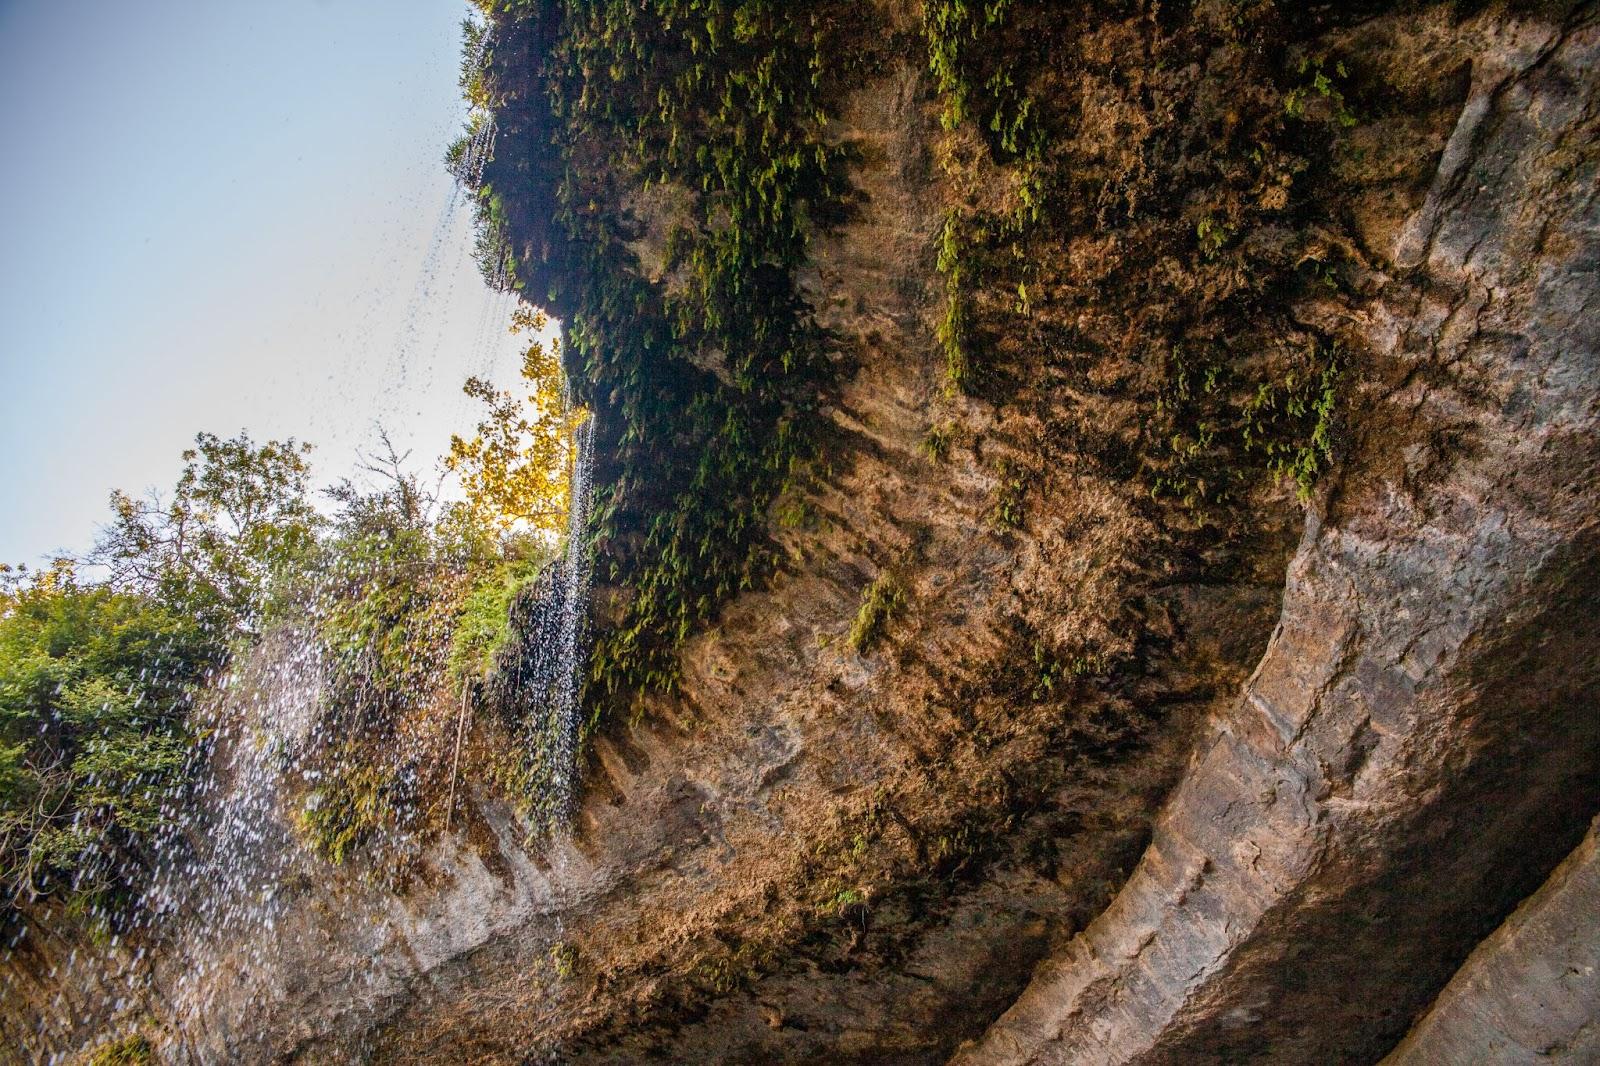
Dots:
pixel 1420 743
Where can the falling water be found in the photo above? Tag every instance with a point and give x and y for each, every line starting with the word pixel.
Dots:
pixel 480 146
pixel 537 673
pixel 467 171
pixel 480 149
pixel 229 868
pixel 206 918
pixel 571 633
pixel 227 861
pixel 231 872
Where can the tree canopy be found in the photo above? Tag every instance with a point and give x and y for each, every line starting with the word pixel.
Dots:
pixel 240 513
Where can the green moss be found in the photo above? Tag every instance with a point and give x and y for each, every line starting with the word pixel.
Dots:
pixel 1213 235
pixel 792 513
pixel 845 899
pixel 564 960
pixel 881 601
pixel 976 82
pixel 1052 671
pixel 1291 422
pixel 1320 85
pixel 953 330
pixel 128 1051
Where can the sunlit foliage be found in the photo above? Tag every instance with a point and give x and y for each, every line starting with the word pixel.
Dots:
pixel 484 624
pixel 515 468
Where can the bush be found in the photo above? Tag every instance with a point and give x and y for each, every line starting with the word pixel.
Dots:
pixel 485 621
pixel 385 615
pixel 385 622
pixel 95 690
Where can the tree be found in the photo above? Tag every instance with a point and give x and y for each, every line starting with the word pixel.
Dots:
pixel 239 515
pixel 515 470
pixel 400 502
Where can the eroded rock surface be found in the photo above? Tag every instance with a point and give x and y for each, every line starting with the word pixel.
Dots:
pixel 1419 744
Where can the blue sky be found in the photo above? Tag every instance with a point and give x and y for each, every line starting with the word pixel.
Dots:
pixel 225 216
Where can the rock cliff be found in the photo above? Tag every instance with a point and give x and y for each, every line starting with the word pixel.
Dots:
pixel 1145 477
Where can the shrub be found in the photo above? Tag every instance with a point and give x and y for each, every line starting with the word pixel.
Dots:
pixel 238 518
pixel 386 621
pixel 485 621
pixel 385 616
pixel 95 690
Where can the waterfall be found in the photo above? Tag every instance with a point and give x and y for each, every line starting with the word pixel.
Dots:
pixel 570 637
pixel 479 150
pixel 224 867
pixel 218 871
pixel 232 884
pixel 537 679
pixel 480 144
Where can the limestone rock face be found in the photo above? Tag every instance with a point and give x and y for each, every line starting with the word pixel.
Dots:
pixel 1420 741
pixel 1530 993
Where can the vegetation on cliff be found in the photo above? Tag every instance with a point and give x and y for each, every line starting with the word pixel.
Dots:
pixel 705 380
pixel 404 598
pixel 661 168
pixel 1188 219
pixel 1128 205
